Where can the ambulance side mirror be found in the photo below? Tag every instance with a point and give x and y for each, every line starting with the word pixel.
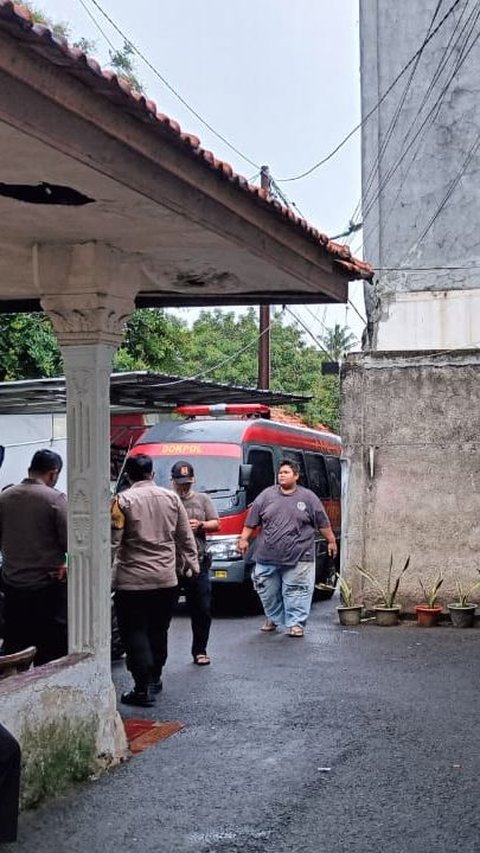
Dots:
pixel 245 476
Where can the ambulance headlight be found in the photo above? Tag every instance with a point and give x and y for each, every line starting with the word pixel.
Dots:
pixel 223 548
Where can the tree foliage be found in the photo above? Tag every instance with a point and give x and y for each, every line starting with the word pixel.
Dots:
pixel 219 346
pixel 28 347
pixel 120 60
pixel 338 341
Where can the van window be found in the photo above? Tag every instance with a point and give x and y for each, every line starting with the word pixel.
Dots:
pixel 263 474
pixel 333 468
pixel 296 456
pixel 317 475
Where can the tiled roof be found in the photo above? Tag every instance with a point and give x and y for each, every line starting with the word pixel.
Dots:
pixel 282 416
pixel 17 20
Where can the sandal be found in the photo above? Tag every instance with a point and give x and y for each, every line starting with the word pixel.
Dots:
pixel 295 631
pixel 268 626
pixel 201 660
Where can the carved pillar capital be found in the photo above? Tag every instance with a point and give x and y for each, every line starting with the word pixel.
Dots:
pixel 88 318
pixel 88 291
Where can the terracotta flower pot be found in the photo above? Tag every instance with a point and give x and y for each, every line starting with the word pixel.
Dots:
pixel 427 616
pixel 349 616
pixel 387 616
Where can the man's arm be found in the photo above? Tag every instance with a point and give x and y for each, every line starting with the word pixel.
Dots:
pixel 252 521
pixel 211 522
pixel 329 535
pixel 118 520
pixel 244 541
pixel 322 523
pixel 61 521
pixel 185 542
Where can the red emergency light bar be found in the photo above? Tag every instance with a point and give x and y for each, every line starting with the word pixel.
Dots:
pixel 221 409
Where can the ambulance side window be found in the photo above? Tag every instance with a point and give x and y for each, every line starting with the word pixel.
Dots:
pixel 296 456
pixel 317 475
pixel 263 474
pixel 333 468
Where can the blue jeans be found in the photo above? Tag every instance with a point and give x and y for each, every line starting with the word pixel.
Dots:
pixel 285 591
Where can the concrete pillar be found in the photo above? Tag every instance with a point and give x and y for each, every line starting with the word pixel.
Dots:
pixel 88 310
pixel 87 372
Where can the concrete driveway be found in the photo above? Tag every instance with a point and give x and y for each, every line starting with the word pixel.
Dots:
pixel 361 740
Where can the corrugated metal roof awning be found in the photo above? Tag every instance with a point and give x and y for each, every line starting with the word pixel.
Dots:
pixel 138 390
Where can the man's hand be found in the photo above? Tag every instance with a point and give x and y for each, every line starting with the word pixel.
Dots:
pixel 332 549
pixel 242 545
pixel 195 524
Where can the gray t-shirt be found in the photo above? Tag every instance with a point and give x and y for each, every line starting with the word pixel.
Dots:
pixel 288 524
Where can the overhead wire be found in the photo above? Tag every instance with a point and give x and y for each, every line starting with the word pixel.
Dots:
pixel 393 123
pixel 171 88
pixel 224 361
pixel 307 330
pixel 353 225
pixel 426 123
pixel 376 106
pixel 451 189
pixel 97 25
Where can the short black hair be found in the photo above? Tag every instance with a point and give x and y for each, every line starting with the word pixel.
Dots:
pixel 44 461
pixel 139 467
pixel 291 464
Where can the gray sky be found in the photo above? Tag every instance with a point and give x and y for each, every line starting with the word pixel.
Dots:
pixel 279 80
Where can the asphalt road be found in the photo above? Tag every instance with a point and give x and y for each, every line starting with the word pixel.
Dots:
pixel 349 740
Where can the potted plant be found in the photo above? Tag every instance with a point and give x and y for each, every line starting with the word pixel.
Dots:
pixel 428 612
pixel 349 613
pixel 462 610
pixel 386 611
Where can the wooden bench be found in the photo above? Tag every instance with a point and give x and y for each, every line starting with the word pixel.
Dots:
pixel 16 662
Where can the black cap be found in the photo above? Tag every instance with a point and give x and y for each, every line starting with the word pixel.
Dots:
pixel 182 472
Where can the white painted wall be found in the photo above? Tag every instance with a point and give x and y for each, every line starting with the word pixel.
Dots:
pixel 22 435
pixel 425 320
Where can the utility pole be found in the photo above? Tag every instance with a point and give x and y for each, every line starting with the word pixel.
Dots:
pixel 264 339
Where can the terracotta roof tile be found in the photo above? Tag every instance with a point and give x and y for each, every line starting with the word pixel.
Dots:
pixel 282 416
pixel 17 20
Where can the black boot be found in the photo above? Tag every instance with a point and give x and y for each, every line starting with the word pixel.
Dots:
pixel 139 696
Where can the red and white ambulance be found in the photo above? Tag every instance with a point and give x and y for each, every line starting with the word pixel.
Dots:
pixel 235 451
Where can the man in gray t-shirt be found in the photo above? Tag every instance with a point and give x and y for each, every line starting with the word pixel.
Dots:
pixel 203 518
pixel 288 516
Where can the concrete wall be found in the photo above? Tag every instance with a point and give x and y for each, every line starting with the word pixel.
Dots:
pixel 420 163
pixel 412 449
pixel 64 716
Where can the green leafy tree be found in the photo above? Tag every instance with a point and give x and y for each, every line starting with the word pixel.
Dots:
pixel 225 345
pixel 154 340
pixel 28 347
pixel 338 341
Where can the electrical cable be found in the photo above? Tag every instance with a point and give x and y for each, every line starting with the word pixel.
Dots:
pixel 429 118
pixel 174 92
pixel 393 123
pixel 451 189
pixel 98 26
pixel 363 319
pixel 307 330
pixel 220 363
pixel 427 269
pixel 377 105
pixel 427 122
